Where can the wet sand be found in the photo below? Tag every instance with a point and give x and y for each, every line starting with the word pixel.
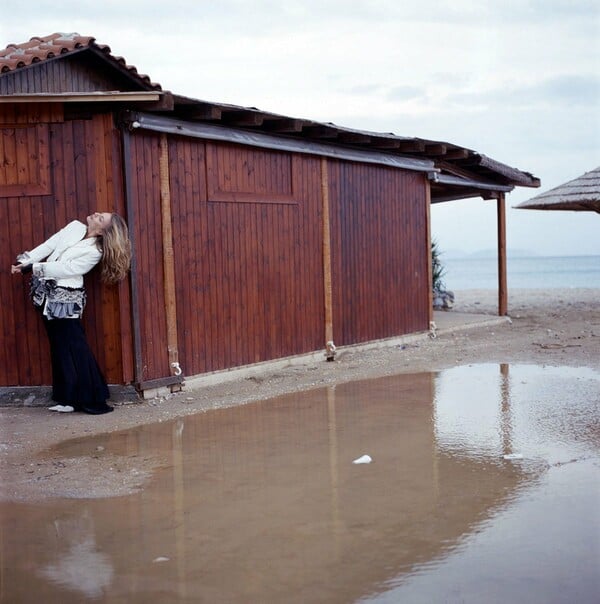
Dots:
pixel 555 327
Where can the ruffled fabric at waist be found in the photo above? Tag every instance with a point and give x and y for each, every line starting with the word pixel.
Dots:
pixel 57 302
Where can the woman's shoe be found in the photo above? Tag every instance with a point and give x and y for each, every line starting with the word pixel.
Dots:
pixel 62 408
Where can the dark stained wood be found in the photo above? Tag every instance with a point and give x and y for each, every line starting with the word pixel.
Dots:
pixel 24 169
pixel 320 131
pixel 379 218
pixel 80 178
pixel 435 150
pixel 412 146
pixel 282 125
pixel 243 298
pixel 248 242
pixel 428 244
pixel 385 143
pixel 167 256
pixel 75 73
pixel 242 118
pixel 456 153
pixel 327 288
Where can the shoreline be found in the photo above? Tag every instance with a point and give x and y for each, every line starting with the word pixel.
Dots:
pixel 559 327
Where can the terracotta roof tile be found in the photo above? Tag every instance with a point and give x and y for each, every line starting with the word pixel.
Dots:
pixel 17 56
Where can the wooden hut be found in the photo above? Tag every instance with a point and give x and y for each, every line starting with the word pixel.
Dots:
pixel 256 236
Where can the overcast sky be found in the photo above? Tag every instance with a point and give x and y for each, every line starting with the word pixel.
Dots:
pixel 517 80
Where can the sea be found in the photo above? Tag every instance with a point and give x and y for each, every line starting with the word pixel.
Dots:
pixel 531 272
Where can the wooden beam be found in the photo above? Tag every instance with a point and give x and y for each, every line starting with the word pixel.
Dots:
pixel 457 153
pixel 200 112
pixel 385 143
pixel 168 256
pixel 242 118
pixel 165 103
pixel 282 125
pixel 456 170
pixel 412 146
pixel 429 258
pixel 327 288
pixel 354 138
pixel 83 97
pixel 320 132
pixel 502 282
pixel 436 150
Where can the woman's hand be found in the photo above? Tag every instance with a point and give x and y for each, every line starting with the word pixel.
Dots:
pixel 16 268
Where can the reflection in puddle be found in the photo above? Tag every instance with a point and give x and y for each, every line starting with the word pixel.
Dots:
pixel 77 563
pixel 262 503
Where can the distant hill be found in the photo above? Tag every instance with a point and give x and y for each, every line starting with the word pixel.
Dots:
pixel 511 253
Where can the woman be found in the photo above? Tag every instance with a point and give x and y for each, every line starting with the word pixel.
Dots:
pixel 57 291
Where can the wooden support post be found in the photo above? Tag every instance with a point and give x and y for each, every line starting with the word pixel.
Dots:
pixel 502 283
pixel 328 296
pixel 428 243
pixel 168 257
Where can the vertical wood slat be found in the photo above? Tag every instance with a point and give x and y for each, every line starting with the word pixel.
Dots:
pixel 379 215
pixel 130 195
pixel 34 218
pixel 245 304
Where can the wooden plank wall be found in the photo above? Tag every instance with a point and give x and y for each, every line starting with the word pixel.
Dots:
pixel 248 248
pixel 147 232
pixel 379 252
pixel 84 163
pixel 247 230
pixel 247 227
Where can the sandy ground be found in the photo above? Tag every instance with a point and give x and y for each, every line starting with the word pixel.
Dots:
pixel 547 327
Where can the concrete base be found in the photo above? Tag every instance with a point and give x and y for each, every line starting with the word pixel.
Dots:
pixel 41 396
pixel 444 322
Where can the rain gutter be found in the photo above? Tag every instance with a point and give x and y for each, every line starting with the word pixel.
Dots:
pixel 146 121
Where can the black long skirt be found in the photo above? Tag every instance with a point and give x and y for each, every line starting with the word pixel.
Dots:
pixel 76 377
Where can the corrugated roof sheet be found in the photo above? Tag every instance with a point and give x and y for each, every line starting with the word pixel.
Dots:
pixel 38 49
pixel 581 193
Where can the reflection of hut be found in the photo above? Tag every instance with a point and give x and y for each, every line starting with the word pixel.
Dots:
pixel 263 503
pixel 582 194
pixel 257 236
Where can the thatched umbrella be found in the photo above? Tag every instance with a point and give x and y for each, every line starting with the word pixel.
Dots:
pixel 579 194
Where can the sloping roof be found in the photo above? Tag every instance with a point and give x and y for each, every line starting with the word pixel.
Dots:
pixel 39 49
pixel 450 158
pixel 469 173
pixel 579 194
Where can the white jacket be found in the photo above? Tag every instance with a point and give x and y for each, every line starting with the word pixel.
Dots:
pixel 69 256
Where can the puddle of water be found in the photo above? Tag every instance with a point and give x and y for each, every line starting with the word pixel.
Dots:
pixel 262 503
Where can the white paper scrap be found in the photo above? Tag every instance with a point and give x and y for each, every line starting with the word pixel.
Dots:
pixel 363 459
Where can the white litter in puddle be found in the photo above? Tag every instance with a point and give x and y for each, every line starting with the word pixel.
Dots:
pixel 363 459
pixel 513 456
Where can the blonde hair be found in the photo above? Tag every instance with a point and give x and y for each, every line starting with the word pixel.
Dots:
pixel 116 250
